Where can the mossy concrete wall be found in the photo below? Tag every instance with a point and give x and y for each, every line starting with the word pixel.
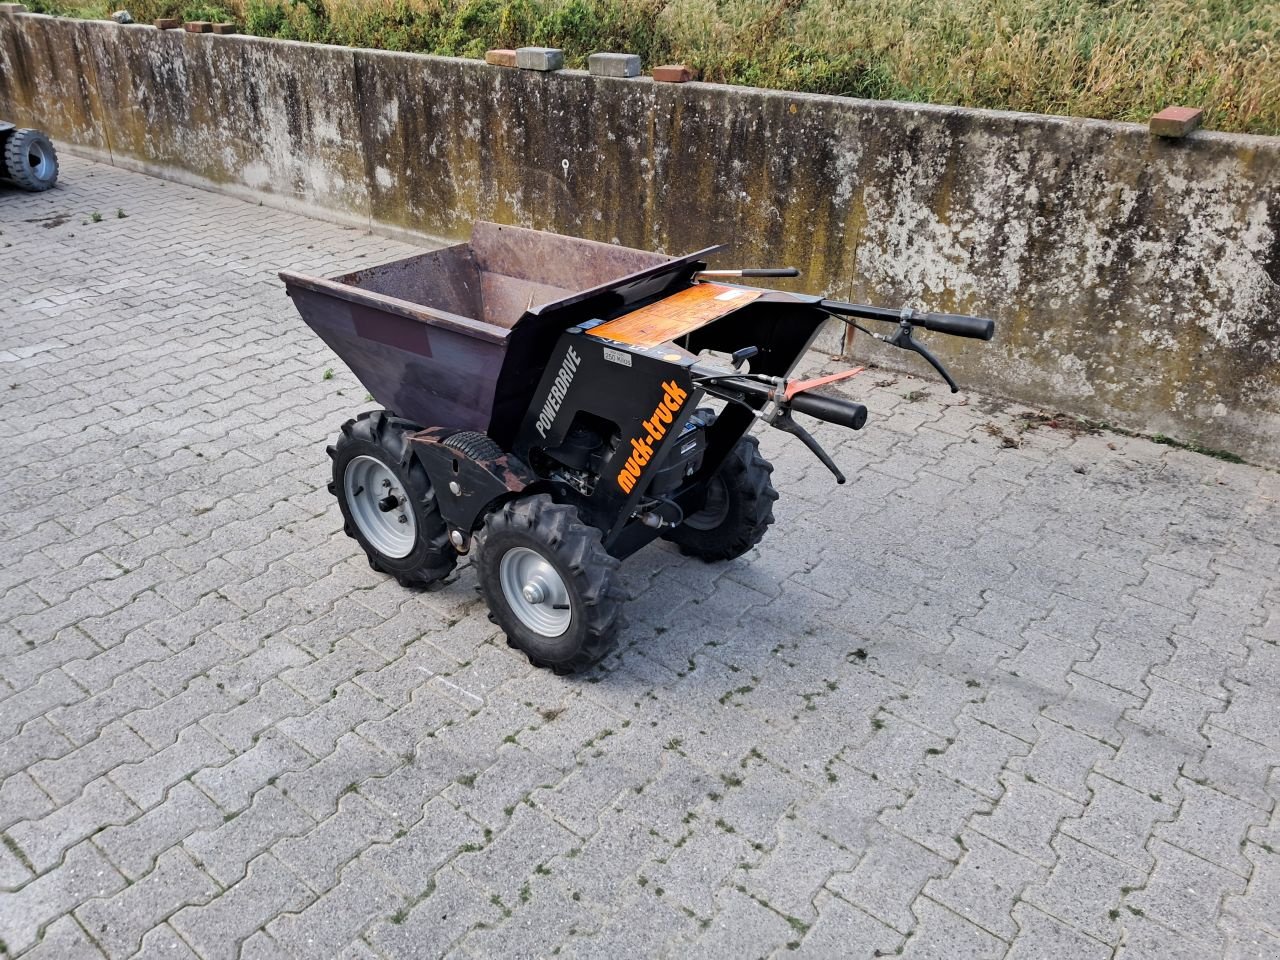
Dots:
pixel 1134 279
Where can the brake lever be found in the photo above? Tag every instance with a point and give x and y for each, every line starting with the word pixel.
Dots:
pixel 904 340
pixel 781 419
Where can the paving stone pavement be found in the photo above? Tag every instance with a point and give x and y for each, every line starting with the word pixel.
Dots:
pixel 1012 692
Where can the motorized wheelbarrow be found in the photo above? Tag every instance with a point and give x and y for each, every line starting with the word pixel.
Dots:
pixel 554 404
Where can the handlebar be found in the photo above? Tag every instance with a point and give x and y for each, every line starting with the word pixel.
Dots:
pixel 843 413
pixel 738 387
pixel 976 328
pixel 751 272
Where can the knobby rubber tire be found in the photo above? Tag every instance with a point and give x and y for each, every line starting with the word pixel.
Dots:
pixel 17 149
pixel 385 437
pixel 471 443
pixel 751 495
pixel 557 533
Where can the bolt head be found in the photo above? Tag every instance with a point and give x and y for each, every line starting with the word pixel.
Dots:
pixel 457 539
pixel 454 488
pixel 534 593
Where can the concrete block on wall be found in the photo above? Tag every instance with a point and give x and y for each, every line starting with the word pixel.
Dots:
pixel 614 65
pixel 539 58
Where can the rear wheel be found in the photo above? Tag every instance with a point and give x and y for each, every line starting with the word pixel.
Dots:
pixel 738 509
pixel 387 503
pixel 549 583
pixel 30 160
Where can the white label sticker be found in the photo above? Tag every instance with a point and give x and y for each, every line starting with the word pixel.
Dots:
pixel 617 356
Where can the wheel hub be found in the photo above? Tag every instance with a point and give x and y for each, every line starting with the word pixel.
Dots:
pixel 535 591
pixel 716 509
pixel 377 502
pixel 39 160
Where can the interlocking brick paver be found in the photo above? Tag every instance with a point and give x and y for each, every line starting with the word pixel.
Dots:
pixel 147 781
pixel 1119 821
pixel 1042 937
pixel 163 943
pixel 448 907
pixel 218 928
pixel 944 935
pixel 226 846
pixel 43 842
pixel 1026 818
pixel 985 885
pixel 119 924
pixel 82 875
pixel 1085 889
pixel 322 928
pixel 984 701
pixel 935 814
pixel 134 847
pixel 318 856
pixel 21 799
pixel 888 879
pixel 1183 888
pixel 64 939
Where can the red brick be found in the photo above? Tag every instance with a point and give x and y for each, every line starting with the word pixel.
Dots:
pixel 500 58
pixel 198 26
pixel 1175 121
pixel 674 73
pixel 224 28
pixel 168 23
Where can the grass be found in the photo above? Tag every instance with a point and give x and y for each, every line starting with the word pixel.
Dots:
pixel 1112 59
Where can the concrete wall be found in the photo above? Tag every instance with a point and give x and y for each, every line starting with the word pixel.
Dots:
pixel 1134 279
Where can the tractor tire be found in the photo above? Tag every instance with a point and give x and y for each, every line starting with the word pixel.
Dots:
pixel 30 160
pixel 387 503
pixel 549 583
pixel 738 511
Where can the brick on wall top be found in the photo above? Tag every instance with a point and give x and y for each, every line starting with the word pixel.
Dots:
pixel 1175 121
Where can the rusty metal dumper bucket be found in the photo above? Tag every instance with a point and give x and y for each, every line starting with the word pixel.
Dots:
pixel 545 407
pixel 429 336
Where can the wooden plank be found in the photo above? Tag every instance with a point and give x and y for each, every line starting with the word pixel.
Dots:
pixel 676 315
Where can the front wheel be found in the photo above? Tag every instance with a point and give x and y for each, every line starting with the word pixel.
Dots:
pixel 549 583
pixel 387 502
pixel 738 509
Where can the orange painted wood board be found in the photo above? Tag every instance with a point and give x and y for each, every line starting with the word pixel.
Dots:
pixel 676 315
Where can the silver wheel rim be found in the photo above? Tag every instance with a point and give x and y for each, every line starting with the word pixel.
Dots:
pixel 716 509
pixel 370 486
pixel 40 160
pixel 535 592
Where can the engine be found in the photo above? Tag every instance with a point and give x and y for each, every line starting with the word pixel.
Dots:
pixel 580 460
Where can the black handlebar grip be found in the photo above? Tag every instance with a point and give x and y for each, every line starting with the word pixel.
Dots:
pixel 771 272
pixel 844 413
pixel 979 328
